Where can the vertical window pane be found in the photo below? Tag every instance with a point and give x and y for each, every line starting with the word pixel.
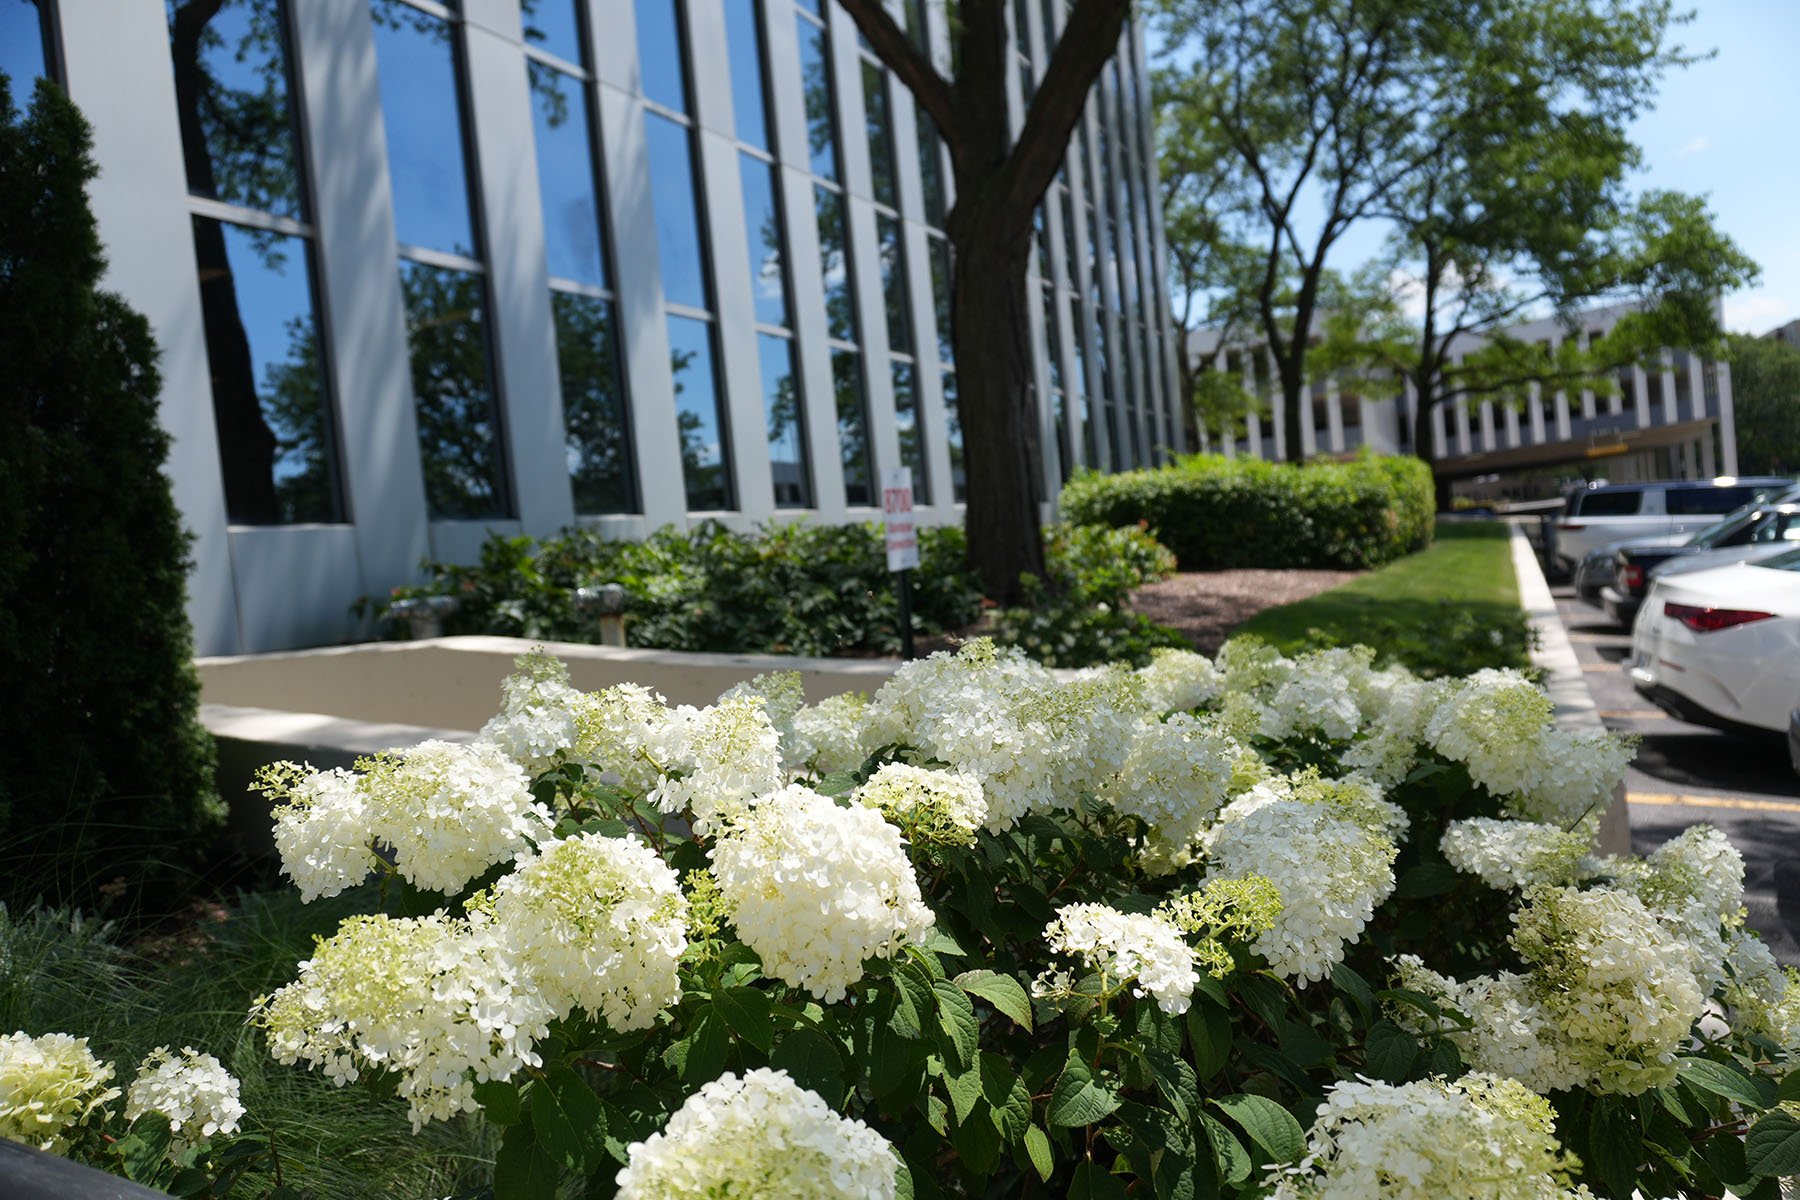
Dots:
pixel 940 297
pixel 459 435
pixel 22 48
pixel 554 25
pixel 231 90
pixel 661 68
pixel 743 41
pixel 893 285
pixel 931 168
pixel 915 25
pixel 782 413
pixel 762 230
pixel 596 436
pixel 815 82
pixel 909 429
pixel 705 463
pixel 879 124
pixel 268 383
pixel 953 438
pixel 565 157
pixel 424 129
pixel 1052 340
pixel 834 262
pixel 677 212
pixel 853 428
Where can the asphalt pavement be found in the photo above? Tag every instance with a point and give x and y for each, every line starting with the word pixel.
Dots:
pixel 1686 774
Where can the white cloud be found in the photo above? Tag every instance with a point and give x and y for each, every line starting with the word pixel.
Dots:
pixel 1694 147
pixel 1756 311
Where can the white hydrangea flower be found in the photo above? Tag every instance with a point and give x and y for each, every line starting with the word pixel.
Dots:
pixel 1319 694
pixel 538 723
pixel 1177 681
pixel 943 808
pixel 449 812
pixel 1694 884
pixel 828 736
pixel 324 830
pixel 194 1091
pixel 598 923
pixel 714 760
pixel 1578 772
pixel 617 726
pixel 1396 709
pixel 1511 1033
pixel 1176 775
pixel 1515 854
pixel 437 1000
pixel 1146 950
pixel 816 889
pixel 782 695
pixel 1474 1138
pixel 50 1086
pixel 1766 997
pixel 760 1135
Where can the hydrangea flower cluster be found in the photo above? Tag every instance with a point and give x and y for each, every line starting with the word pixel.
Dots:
pixel 193 1090
pixel 615 727
pixel 1516 854
pixel 1176 775
pixel 715 760
pixel 828 736
pixel 538 723
pixel 934 808
pixel 759 1135
pixel 1177 681
pixel 597 923
pixel 323 831
pixel 1145 950
pixel 50 1086
pixel 1766 998
pixel 816 889
pixel 1479 1137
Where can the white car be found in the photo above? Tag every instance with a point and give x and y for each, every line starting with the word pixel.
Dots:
pixel 1593 517
pixel 1722 647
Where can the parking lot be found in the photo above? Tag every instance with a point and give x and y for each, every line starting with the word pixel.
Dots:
pixel 1685 774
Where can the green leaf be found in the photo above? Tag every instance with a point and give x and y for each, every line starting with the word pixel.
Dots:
pixel 1037 1145
pixel 1006 1095
pixel 977 1143
pixel 959 1032
pixel 1390 1051
pixel 965 1092
pixel 1426 880
pixel 1095 1183
pixel 903 1180
pixel 567 1116
pixel 1789 1089
pixel 1615 1148
pixel 146 1147
pixel 189 1181
pixel 837 783
pixel 522 1171
pixel 746 1010
pixel 1269 1125
pixel 499 1100
pixel 1229 1153
pixel 912 999
pixel 1079 1099
pixel 1724 1153
pixel 939 942
pixel 1354 986
pixel 1005 993
pixel 896 1071
pixel 1731 1082
pixel 1773 1146
pixel 814 1062
pixel 1209 1035
pixel 1175 1080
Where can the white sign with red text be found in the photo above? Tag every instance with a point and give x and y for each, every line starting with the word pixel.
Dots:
pixel 897 513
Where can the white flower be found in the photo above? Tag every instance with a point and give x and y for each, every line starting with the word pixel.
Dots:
pixel 1694 884
pixel 1175 776
pixel 1511 1033
pixel 449 812
pixel 827 736
pixel 49 1087
pixel 538 722
pixel 616 727
pixel 1766 997
pixel 759 1136
pixel 1319 695
pixel 1515 854
pixel 816 889
pixel 1147 951
pixel 714 760
pixel 194 1091
pixel 1396 709
pixel 324 829
pixel 943 808
pixel 782 695
pixel 1177 681
pixel 597 922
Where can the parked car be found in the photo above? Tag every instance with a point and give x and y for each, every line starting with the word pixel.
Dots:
pixel 1722 647
pixel 1617 512
pixel 1755 528
pixel 1595 570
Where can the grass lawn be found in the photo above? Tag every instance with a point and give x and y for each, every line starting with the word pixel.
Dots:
pixel 1449 609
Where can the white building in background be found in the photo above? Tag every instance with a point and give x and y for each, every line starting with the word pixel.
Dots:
pixel 1671 420
pixel 424 270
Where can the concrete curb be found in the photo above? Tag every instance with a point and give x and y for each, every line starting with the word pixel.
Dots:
pixel 1563 677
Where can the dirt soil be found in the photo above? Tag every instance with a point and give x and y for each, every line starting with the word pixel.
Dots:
pixel 1208 605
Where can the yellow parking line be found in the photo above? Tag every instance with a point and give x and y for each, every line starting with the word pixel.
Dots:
pixel 1635 714
pixel 1688 801
pixel 1603 666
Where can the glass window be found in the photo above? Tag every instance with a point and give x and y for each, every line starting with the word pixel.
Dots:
pixel 743 41
pixel 879 124
pixel 815 82
pixel 931 167
pixel 1623 503
pixel 231 90
pixel 762 230
pixel 268 382
pixel 893 284
pixel 662 71
pixel 953 438
pixel 596 433
pixel 459 433
pixel 704 458
pixel 1703 501
pixel 910 431
pixel 555 26
pixel 424 129
pixel 940 297
pixel 1052 340
pixel 566 179
pixel 781 410
pixel 834 262
pixel 853 428
pixel 915 25
pixel 22 48
pixel 677 211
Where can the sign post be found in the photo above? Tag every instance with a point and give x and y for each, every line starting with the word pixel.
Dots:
pixel 902 544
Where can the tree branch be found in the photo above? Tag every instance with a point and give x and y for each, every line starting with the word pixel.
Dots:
pixel 930 90
pixel 1088 41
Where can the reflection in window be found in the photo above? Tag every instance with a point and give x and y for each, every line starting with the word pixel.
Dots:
pixel 231 90
pixel 704 459
pixel 815 82
pixel 677 211
pixel 596 439
pixel 424 130
pixel 953 438
pixel 1052 340
pixel 459 435
pixel 879 124
pixel 762 230
pixel 661 69
pixel 834 264
pixel 931 168
pixel 781 408
pixel 909 429
pixel 893 284
pixel 268 382
pixel 555 26
pixel 565 157
pixel 23 51
pixel 940 297
pixel 743 41
pixel 853 428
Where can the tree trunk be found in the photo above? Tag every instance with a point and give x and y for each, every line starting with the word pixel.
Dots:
pixel 1296 404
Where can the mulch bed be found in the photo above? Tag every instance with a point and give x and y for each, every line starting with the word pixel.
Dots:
pixel 1207 605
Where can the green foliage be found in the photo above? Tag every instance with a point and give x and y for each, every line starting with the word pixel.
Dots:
pixel 1079 618
pixel 1216 513
pixel 1765 397
pixel 106 773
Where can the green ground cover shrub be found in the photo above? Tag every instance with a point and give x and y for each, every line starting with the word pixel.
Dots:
pixel 1215 513
pixel 1079 618
pixel 1452 609
pixel 105 770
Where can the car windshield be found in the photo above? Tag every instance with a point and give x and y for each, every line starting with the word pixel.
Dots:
pixel 1788 561
pixel 1714 535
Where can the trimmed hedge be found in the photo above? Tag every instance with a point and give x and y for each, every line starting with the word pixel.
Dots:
pixel 1215 512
